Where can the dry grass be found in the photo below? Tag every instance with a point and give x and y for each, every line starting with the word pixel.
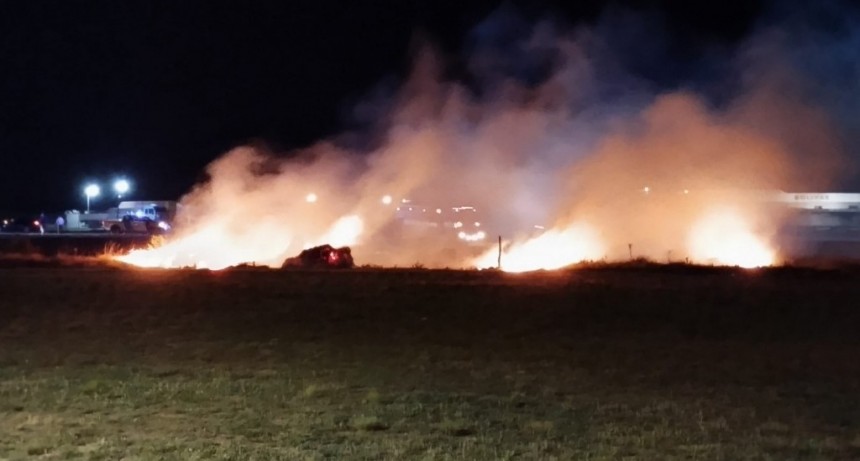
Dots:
pixel 633 362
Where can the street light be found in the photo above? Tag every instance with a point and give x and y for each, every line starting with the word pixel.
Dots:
pixel 121 186
pixel 92 190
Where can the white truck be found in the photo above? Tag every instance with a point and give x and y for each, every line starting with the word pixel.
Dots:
pixel 141 217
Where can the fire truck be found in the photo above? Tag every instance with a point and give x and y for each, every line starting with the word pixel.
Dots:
pixel 141 217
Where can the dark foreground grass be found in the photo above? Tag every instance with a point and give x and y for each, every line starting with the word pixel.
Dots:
pixel 600 363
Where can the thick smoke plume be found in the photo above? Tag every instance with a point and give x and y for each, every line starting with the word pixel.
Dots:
pixel 554 129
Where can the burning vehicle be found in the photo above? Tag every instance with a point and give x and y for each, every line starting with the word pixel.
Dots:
pixel 322 257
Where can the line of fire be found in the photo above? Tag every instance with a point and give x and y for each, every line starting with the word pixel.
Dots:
pixel 750 229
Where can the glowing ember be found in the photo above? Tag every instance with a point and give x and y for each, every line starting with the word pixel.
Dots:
pixel 723 237
pixel 553 249
pixel 217 246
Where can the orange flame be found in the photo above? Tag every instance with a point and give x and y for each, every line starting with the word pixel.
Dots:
pixel 724 237
pixel 218 246
pixel 554 249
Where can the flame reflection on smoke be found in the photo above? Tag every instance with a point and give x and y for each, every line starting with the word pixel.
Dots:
pixel 723 237
pixel 344 232
pixel 553 249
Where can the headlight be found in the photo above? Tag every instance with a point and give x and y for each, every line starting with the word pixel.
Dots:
pixel 480 235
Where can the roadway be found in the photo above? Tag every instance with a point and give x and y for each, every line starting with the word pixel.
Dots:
pixel 73 243
pixel 49 235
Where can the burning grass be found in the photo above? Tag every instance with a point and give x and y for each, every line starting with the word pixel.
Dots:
pixel 640 361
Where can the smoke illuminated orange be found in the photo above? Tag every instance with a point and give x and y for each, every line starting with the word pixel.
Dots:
pixel 640 167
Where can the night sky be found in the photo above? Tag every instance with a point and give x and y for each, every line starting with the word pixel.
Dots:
pixel 156 90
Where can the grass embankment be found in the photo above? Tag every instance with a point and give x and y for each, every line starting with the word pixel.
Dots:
pixel 639 363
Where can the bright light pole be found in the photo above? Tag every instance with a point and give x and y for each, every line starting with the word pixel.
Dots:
pixel 121 186
pixel 92 190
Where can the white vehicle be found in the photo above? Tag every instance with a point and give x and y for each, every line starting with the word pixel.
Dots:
pixel 142 217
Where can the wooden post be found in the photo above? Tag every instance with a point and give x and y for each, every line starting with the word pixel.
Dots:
pixel 630 250
pixel 499 262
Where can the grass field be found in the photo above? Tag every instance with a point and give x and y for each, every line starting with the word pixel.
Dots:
pixel 602 363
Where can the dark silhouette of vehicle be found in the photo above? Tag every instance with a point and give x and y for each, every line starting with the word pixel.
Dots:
pixel 130 224
pixel 135 224
pixel 322 257
pixel 151 218
pixel 23 224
